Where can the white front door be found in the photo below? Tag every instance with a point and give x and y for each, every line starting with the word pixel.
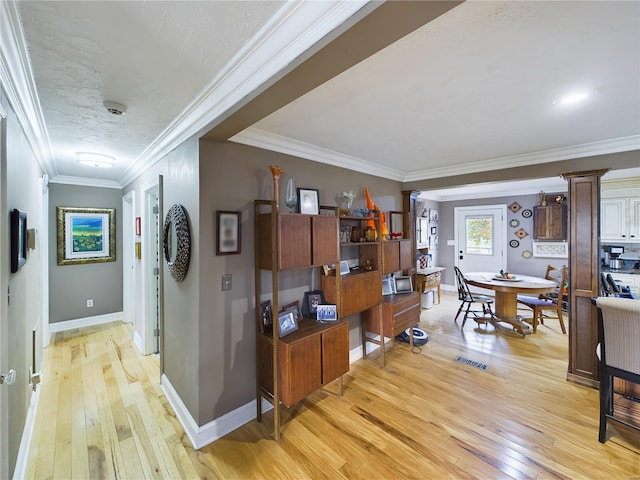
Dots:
pixel 481 238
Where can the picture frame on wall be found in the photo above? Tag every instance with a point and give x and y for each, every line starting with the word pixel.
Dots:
pixel 18 222
pixel 308 201
pixel 86 235
pixel 228 233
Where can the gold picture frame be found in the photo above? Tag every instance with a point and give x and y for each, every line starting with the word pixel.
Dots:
pixel 86 235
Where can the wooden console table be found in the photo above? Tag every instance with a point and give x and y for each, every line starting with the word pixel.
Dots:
pixel 428 279
pixel 394 315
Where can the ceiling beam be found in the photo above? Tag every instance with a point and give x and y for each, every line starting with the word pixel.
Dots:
pixel 388 23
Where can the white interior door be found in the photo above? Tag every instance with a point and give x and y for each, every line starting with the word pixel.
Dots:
pixel 128 267
pixel 151 268
pixel 4 284
pixel 481 238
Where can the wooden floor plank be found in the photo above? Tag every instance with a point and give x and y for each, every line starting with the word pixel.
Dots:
pixel 422 416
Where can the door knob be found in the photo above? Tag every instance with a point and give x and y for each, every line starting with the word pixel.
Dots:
pixel 8 378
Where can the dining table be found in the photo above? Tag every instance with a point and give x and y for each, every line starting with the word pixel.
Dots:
pixel 506 295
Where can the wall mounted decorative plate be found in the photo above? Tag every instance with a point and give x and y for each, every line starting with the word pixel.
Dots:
pixel 514 207
pixel 514 223
pixel 527 254
pixel 514 243
pixel 527 213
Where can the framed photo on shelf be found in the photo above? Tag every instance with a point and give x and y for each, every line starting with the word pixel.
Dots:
pixel 327 313
pixel 311 301
pixel 286 323
pixel 293 307
pixel 266 315
pixel 228 239
pixel 308 201
pixel 344 267
pixel 329 269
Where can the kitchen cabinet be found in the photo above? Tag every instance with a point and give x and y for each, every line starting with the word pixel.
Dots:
pixel 550 222
pixel 620 211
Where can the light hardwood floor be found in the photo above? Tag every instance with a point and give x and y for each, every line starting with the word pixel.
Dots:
pixel 102 415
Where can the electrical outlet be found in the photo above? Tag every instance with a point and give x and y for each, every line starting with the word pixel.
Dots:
pixel 90 303
pixel 226 282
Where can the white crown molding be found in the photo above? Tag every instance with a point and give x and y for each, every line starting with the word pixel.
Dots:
pixel 16 77
pixel 613 145
pixel 85 182
pixel 291 32
pixel 269 141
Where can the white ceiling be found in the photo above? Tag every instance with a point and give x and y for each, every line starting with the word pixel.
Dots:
pixel 471 91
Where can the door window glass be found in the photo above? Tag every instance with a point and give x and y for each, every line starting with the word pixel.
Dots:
pixel 479 235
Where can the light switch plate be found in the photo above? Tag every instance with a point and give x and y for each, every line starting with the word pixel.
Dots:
pixel 226 282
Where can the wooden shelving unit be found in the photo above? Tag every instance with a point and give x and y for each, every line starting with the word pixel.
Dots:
pixel 290 368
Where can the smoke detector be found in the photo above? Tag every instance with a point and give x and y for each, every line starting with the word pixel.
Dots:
pixel 114 108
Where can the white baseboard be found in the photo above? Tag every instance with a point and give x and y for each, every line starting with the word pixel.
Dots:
pixel 199 436
pixel 137 341
pixel 84 322
pixel 20 470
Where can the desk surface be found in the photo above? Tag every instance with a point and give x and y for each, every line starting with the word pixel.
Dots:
pixel 430 270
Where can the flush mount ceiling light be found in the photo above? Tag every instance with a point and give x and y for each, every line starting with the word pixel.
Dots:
pixel 571 99
pixel 95 160
pixel 114 108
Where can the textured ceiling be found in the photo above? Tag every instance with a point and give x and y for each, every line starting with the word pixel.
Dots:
pixel 471 91
pixel 154 57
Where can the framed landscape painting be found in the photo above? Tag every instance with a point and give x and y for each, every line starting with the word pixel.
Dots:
pixel 86 235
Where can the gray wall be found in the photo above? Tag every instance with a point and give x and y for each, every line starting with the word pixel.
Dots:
pixel 20 189
pixel 71 285
pixel 515 261
pixel 182 316
pixel 232 176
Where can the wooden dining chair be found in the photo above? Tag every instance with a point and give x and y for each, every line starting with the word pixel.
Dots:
pixel 467 298
pixel 619 331
pixel 553 301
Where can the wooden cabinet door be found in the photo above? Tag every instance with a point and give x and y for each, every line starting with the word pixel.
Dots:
pixel 295 241
pixel 406 255
pixel 325 244
pixel 335 353
pixel 300 368
pixel 550 222
pixel 613 219
pixel 391 257
pixel 360 292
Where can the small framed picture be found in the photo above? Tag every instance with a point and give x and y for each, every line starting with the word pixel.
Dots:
pixel 286 323
pixel 308 201
pixel 327 313
pixel 266 315
pixel 311 301
pixel 228 239
pixel 329 269
pixel 293 307
pixel 434 230
pixel 344 267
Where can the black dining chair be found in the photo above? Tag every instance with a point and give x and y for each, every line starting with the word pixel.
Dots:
pixel 467 298
pixel 619 331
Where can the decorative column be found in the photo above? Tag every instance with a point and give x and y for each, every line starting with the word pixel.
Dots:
pixel 584 253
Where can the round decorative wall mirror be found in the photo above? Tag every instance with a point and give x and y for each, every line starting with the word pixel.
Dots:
pixel 177 242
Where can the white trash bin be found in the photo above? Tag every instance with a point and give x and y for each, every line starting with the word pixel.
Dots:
pixel 427 299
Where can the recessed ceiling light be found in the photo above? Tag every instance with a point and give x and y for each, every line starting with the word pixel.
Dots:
pixel 95 160
pixel 572 98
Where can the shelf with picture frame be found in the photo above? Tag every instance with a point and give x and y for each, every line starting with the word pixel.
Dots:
pixel 295 355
